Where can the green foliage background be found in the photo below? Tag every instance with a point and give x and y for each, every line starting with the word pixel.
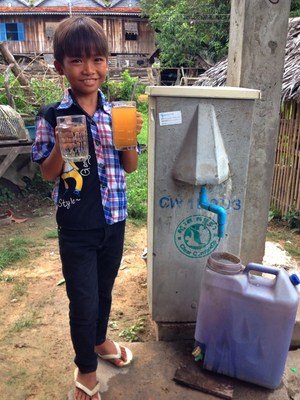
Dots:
pixel 295 8
pixel 187 29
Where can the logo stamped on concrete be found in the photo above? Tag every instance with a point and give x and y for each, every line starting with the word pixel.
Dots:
pixel 196 236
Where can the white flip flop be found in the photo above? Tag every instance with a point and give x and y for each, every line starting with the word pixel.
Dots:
pixel 89 392
pixel 109 357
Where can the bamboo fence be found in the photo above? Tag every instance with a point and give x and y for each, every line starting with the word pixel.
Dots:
pixel 285 195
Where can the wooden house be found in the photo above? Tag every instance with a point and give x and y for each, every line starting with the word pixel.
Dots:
pixel 27 27
pixel 285 195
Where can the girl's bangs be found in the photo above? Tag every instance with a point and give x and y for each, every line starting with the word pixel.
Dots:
pixel 85 43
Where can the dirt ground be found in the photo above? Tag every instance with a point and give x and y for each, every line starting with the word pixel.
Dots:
pixel 35 348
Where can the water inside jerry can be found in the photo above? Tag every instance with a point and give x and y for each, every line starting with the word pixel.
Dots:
pixel 245 319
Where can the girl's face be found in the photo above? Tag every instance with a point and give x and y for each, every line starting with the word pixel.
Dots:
pixel 85 74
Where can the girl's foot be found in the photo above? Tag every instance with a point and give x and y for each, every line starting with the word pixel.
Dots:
pixel 86 386
pixel 112 352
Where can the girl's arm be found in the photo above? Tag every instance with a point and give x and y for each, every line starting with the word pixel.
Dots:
pixel 52 166
pixel 129 160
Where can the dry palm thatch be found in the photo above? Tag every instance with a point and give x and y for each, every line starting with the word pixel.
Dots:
pixel 291 75
pixel 216 75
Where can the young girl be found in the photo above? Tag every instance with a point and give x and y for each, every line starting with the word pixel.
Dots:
pixel 91 221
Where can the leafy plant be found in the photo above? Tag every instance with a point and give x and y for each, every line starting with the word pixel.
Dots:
pixel 113 325
pixel 274 213
pixel 293 219
pixel 45 91
pixel 5 194
pixel 40 187
pixel 127 89
pixel 17 92
pixel 142 107
pixel 131 334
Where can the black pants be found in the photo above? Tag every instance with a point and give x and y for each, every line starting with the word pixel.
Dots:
pixel 90 263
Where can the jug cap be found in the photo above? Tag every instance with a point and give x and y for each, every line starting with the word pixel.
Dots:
pixel 295 279
pixel 224 263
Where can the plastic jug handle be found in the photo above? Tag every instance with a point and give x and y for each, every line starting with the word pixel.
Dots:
pixel 260 268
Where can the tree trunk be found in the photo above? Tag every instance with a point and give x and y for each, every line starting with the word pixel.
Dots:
pixel 10 59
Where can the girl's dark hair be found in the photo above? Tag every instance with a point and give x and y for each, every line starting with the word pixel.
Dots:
pixel 77 36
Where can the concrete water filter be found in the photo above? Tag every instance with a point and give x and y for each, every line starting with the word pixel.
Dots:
pixel 199 142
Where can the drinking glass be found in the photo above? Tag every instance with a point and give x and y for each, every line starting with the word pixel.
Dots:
pixel 73 139
pixel 124 124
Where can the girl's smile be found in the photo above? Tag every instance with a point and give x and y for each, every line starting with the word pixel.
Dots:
pixel 85 74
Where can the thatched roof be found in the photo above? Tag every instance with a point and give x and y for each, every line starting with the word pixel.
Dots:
pixel 216 75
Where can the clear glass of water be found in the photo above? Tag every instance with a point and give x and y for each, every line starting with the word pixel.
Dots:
pixel 73 139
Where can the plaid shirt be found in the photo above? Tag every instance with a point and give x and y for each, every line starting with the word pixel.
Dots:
pixel 110 171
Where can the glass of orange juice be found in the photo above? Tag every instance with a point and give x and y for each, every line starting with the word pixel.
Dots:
pixel 124 124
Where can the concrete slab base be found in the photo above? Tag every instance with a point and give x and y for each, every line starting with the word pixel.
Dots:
pixel 174 331
pixel 151 377
pixel 168 332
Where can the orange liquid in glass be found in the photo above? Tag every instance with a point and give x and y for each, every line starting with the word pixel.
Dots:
pixel 124 126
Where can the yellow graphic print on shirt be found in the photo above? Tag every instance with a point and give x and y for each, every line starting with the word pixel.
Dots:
pixel 71 171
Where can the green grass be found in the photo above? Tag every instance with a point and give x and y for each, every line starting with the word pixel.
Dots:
pixel 137 181
pixel 292 250
pixel 279 235
pixel 19 290
pixel 52 234
pixel 285 237
pixel 27 321
pixel 6 278
pixel 13 250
